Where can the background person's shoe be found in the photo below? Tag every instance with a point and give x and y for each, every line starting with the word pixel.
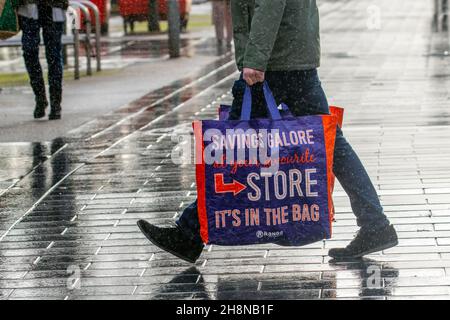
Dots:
pixel 172 240
pixel 367 241
pixel 55 114
pixel 39 110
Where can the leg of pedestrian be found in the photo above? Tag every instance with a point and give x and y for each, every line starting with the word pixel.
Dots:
pixel 375 233
pixel 218 9
pixel 445 15
pixel 30 46
pixel 308 98
pixel 182 240
pixel 228 22
pixel 52 33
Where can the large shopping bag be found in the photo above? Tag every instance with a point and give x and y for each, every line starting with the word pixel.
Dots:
pixel 9 25
pixel 265 180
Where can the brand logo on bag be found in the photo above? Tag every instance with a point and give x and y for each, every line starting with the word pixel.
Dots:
pixel 265 234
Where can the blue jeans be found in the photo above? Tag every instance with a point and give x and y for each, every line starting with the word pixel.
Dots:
pixel 302 92
pixel 52 34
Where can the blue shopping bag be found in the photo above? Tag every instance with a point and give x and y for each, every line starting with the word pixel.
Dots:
pixel 265 180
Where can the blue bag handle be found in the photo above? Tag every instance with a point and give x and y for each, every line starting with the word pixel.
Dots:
pixel 270 101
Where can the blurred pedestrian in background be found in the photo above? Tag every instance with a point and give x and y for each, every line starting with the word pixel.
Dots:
pixel 48 15
pixel 221 12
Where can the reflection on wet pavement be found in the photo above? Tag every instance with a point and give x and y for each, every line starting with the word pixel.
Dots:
pixel 69 206
pixel 366 279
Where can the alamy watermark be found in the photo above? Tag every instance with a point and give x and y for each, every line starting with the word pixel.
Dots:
pixel 374 279
pixel 73 19
pixel 238 148
pixel 374 17
pixel 73 281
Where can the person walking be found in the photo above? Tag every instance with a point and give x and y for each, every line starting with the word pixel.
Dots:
pixel 221 11
pixel 48 15
pixel 279 42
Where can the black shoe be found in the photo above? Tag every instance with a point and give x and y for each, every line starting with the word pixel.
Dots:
pixel 55 114
pixel 39 110
pixel 172 240
pixel 366 242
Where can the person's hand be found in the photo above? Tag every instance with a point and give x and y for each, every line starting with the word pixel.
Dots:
pixel 252 76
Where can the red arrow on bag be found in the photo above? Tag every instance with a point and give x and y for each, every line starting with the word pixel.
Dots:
pixel 221 187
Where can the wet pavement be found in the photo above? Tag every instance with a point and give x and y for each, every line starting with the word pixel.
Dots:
pixel 110 90
pixel 68 207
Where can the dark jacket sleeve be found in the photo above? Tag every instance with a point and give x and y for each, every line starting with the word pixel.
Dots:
pixel 266 21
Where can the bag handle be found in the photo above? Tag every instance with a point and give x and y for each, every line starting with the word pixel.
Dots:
pixel 270 101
